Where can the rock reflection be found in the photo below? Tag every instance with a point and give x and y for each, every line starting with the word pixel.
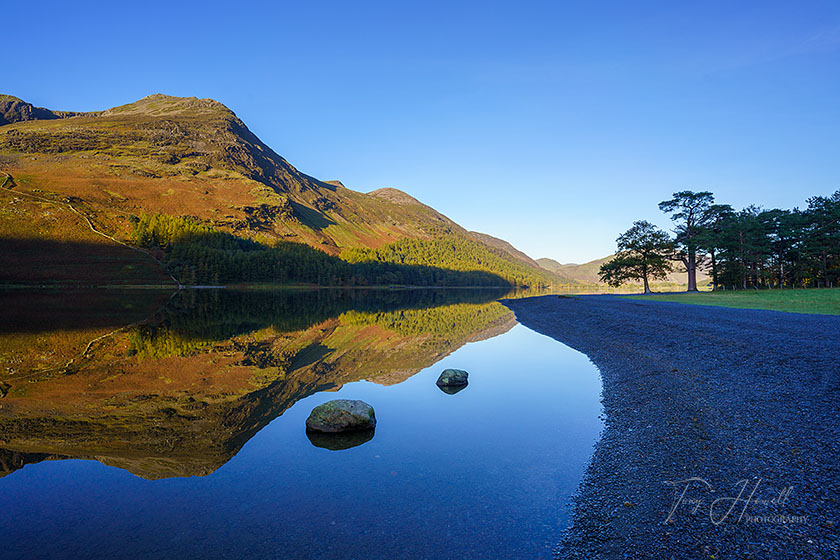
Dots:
pixel 452 389
pixel 340 441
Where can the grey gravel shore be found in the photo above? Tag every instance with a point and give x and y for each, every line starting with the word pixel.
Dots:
pixel 721 437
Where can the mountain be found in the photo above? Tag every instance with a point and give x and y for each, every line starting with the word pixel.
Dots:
pixel 587 273
pixel 91 176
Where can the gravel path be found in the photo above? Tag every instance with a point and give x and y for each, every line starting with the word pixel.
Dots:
pixel 735 411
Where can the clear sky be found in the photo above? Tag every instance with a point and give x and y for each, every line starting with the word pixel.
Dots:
pixel 552 125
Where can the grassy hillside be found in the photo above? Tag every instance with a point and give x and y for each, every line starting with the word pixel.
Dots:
pixel 193 157
pixel 47 243
pixel 818 301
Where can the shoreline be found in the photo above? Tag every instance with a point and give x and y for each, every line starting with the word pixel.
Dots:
pixel 705 408
pixel 243 287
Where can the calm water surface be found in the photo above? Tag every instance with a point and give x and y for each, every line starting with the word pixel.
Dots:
pixel 484 473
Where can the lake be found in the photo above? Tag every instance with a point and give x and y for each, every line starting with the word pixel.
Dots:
pixel 139 425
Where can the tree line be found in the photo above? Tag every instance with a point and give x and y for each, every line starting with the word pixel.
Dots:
pixel 194 320
pixel 452 252
pixel 196 253
pixel 740 249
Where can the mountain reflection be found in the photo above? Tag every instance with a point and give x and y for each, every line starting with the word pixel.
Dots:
pixel 189 380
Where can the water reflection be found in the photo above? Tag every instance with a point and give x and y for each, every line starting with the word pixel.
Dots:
pixel 452 389
pixel 222 383
pixel 179 390
pixel 340 441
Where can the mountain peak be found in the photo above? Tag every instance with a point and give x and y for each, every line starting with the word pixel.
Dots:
pixel 160 105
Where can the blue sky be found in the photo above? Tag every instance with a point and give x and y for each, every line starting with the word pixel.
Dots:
pixel 552 125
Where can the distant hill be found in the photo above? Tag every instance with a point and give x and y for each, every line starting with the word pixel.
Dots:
pixel 587 273
pixel 195 159
pixel 503 246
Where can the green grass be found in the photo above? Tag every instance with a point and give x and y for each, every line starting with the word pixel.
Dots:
pixel 817 301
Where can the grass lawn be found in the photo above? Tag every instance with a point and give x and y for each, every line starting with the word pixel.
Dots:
pixel 820 301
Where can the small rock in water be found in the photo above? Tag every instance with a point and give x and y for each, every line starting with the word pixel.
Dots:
pixel 452 378
pixel 341 415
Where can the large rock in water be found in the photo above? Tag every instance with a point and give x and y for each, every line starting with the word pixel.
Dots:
pixel 341 415
pixel 452 378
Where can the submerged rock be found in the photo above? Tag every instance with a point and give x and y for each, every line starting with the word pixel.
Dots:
pixel 341 415
pixel 340 440
pixel 452 378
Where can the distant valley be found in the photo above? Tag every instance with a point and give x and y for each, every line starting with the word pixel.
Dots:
pixel 587 273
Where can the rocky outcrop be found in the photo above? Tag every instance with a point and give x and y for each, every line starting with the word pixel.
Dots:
pixel 14 110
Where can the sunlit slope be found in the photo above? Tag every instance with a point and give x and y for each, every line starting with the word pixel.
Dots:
pixel 194 157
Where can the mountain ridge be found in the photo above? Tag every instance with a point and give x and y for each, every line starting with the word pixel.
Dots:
pixel 185 156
